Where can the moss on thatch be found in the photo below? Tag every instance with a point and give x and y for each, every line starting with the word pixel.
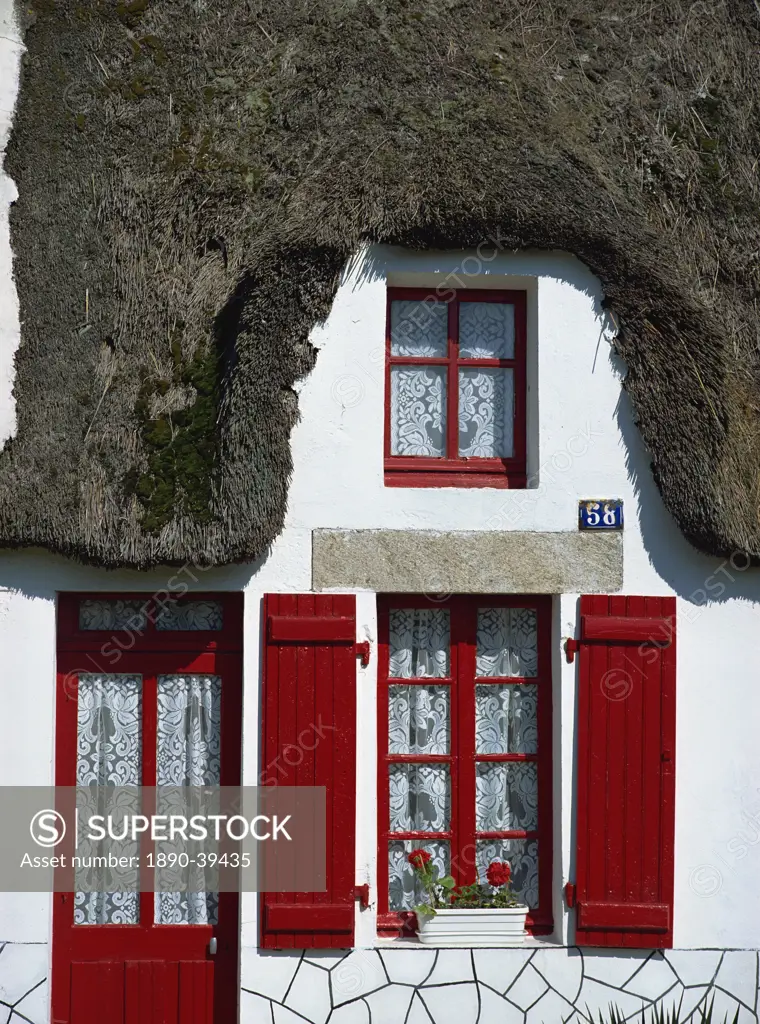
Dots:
pixel 193 175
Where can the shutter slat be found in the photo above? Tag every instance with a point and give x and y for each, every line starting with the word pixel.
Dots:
pixel 617 716
pixel 311 629
pixel 655 629
pixel 309 917
pixel 309 739
pixel 626 783
pixel 643 917
pixel 634 792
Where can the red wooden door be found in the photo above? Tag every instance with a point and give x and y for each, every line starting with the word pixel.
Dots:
pixel 626 772
pixel 147 698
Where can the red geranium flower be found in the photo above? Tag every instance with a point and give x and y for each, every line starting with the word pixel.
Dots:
pixel 419 858
pixel 498 873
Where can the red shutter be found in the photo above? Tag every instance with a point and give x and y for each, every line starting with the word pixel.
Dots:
pixel 626 772
pixel 309 739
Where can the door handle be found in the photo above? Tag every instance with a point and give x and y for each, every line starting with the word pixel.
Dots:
pixel 212 947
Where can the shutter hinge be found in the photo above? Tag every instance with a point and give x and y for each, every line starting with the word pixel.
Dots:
pixel 570 894
pixel 361 893
pixel 361 649
pixel 572 646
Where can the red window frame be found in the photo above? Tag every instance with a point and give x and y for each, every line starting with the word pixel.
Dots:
pixel 462 758
pixel 454 470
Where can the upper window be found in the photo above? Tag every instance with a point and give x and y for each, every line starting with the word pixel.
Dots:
pixel 455 389
pixel 464 741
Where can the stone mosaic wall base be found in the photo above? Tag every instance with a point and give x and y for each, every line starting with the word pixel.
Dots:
pixel 23 983
pixel 493 986
pixel 456 986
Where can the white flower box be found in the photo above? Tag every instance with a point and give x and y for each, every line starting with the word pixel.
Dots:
pixel 477 927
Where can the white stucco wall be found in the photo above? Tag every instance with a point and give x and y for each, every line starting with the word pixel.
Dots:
pixel 586 446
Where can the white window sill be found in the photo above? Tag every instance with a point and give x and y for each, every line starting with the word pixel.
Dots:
pixel 531 942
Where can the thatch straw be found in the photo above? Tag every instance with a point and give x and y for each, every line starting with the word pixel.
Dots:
pixel 194 173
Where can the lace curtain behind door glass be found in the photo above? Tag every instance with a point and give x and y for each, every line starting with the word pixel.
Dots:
pixel 105 613
pixel 188 754
pixel 190 615
pixel 108 754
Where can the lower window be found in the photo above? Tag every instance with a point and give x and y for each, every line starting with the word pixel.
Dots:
pixel 464 746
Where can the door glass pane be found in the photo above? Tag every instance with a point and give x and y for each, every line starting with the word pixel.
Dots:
pixel 109 737
pixel 505 718
pixel 506 796
pixel 419 328
pixel 418 410
pixel 522 857
pixel 486 330
pixel 419 643
pixel 190 615
pixel 404 888
pixel 188 754
pixel 97 613
pixel 418 719
pixel 189 730
pixel 507 643
pixel 486 413
pixel 420 798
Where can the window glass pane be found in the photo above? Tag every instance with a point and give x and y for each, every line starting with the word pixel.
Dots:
pixel 106 907
pixel 419 328
pixel 189 730
pixel 506 796
pixel 419 643
pixel 486 330
pixel 109 717
pixel 404 889
pixel 522 857
pixel 418 719
pixel 190 615
pixel 188 753
pixel 418 410
pixel 109 742
pixel 420 798
pixel 507 642
pixel 486 413
pixel 187 907
pixel 97 613
pixel 505 719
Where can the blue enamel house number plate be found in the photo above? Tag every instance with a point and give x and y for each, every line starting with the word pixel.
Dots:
pixel 600 514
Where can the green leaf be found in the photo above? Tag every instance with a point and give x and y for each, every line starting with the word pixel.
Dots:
pixel 425 910
pixel 447 882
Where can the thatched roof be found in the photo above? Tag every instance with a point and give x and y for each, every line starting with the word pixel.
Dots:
pixel 193 174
